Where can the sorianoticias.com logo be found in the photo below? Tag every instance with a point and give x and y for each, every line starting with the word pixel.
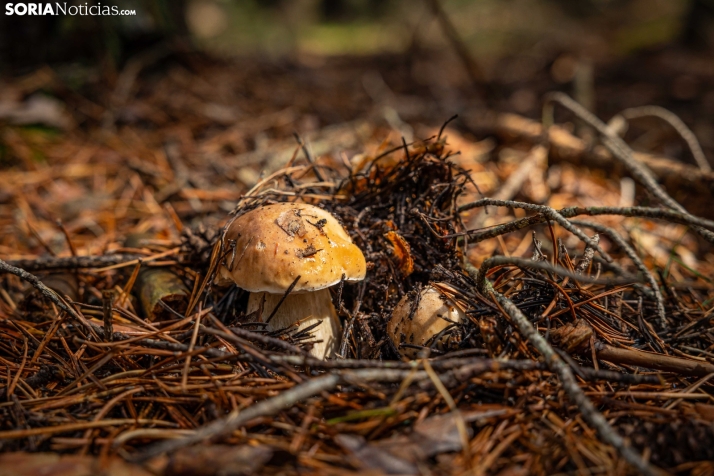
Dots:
pixel 61 8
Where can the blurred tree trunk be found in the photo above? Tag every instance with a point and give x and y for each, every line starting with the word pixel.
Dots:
pixel 24 40
pixel 698 30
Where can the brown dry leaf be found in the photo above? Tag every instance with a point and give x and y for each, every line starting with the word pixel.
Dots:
pixel 38 109
pixel 704 411
pixel 515 470
pixel 402 251
pixel 401 454
pixel 225 460
pixel 45 464
pixel 371 456
pixel 573 337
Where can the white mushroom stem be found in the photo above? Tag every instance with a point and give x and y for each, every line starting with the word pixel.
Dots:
pixel 308 308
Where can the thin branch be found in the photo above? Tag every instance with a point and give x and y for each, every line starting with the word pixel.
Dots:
pixel 677 124
pixel 478 235
pixel 641 212
pixel 649 360
pixel 547 212
pixel 587 257
pixel 657 294
pixel 546 266
pixel 72 262
pixel 621 151
pixel 569 212
pixel 535 159
pixel 569 383
pixel 48 293
pixel 271 406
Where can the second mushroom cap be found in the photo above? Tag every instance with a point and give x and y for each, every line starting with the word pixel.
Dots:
pixel 421 327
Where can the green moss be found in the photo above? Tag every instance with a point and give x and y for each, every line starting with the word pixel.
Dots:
pixel 352 38
pixel 643 35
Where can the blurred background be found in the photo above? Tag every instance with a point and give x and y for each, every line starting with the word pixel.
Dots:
pixel 229 78
pixel 520 47
pixel 491 29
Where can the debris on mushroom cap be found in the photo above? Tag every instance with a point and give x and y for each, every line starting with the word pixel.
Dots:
pixel 275 244
pixel 435 312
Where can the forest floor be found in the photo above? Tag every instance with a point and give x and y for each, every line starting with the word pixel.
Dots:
pixel 114 190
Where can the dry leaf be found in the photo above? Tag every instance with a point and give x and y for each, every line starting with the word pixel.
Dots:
pixel 223 460
pixel 46 464
pixel 400 455
pixel 402 251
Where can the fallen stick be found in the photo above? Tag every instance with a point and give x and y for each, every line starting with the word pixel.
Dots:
pixel 159 290
pixel 47 293
pixel 652 361
pixel 537 157
pixel 568 148
pixel 568 212
pixel 676 123
pixel 570 385
pixel 271 406
pixel 622 153
pixel 72 262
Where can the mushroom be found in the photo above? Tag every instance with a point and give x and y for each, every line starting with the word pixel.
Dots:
pixel 276 244
pixel 425 325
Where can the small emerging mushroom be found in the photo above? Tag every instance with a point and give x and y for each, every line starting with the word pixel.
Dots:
pixel 434 313
pixel 275 244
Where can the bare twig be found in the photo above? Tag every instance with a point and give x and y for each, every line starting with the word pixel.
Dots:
pixel 570 385
pixel 677 124
pixel 48 293
pixel 489 263
pixel 587 256
pixel 548 212
pixel 569 212
pixel 621 151
pixel 535 158
pixel 271 406
pixel 649 360
pixel 654 288
pixel 72 262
